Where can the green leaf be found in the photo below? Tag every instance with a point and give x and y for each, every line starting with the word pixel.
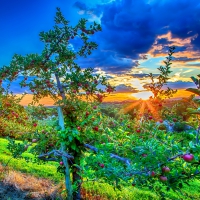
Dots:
pixel 191 144
pixel 73 146
pixel 70 138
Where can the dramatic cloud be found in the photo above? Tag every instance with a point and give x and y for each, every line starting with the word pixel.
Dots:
pixel 133 42
pixel 123 88
pixel 180 85
pixel 132 28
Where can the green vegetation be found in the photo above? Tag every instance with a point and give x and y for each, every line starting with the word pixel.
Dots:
pixel 49 170
pixel 46 170
pixel 88 143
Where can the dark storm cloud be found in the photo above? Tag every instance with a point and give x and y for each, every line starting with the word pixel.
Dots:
pixel 108 62
pixel 180 85
pixel 130 27
pixel 123 88
pixel 177 85
pixel 185 59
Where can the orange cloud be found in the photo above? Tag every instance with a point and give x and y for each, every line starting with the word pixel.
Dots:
pixel 177 42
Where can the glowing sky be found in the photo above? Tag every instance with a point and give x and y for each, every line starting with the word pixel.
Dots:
pixel 133 42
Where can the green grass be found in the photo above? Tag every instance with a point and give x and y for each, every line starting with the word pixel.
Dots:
pixel 48 170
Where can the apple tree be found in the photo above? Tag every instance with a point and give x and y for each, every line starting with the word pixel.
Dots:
pixel 121 150
pixel 54 73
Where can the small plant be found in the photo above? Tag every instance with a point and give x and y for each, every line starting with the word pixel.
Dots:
pixel 156 87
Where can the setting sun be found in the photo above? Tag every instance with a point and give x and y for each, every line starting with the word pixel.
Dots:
pixel 143 95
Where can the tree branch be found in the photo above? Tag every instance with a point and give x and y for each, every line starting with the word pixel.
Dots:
pixel 125 160
pixel 88 146
pixel 55 153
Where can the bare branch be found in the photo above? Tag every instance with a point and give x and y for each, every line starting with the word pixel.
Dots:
pixel 56 153
pixel 91 147
pixel 125 160
pixel 174 157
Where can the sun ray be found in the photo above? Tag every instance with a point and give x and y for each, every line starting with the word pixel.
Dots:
pixel 154 111
pixel 133 105
pixel 142 108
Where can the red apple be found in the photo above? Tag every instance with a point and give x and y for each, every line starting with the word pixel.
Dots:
pixel 61 163
pixel 94 107
pixel 49 85
pixel 174 120
pixel 161 121
pixel 101 165
pixel 163 178
pixel 138 130
pixel 79 128
pixel 152 173
pixel 87 113
pixel 34 140
pixel 34 124
pixel 150 117
pixel 96 128
pixel 165 169
pixel 188 157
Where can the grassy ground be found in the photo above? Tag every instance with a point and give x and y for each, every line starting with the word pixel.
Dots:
pixel 97 190
pixel 47 170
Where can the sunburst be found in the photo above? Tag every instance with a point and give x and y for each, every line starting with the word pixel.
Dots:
pixel 143 105
pixel 130 107
pixel 142 108
pixel 155 112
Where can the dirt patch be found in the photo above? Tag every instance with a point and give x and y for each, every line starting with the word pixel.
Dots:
pixel 15 185
pixel 10 192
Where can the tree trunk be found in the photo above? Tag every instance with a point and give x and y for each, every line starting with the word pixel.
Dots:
pixel 77 180
pixel 68 183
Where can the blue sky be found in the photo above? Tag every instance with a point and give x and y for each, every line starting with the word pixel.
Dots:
pixel 133 42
